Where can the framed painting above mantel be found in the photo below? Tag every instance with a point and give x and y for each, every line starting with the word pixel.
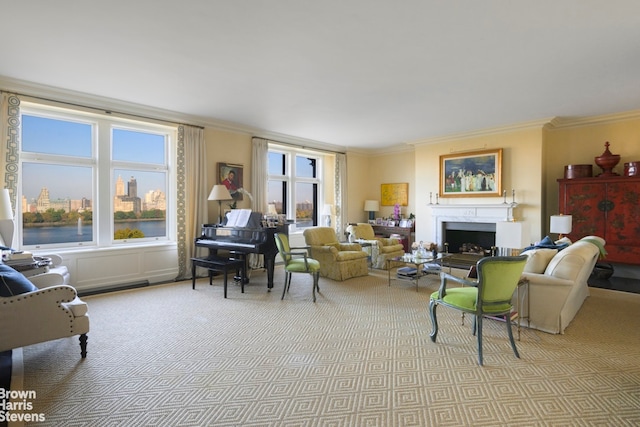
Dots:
pixel 471 174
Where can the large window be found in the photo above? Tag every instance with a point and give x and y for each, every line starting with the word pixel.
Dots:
pixel 294 185
pixel 91 180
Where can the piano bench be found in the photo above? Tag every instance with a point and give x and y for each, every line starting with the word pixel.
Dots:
pixel 220 264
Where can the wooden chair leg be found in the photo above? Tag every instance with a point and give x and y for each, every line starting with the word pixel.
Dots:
pixel 315 285
pixel 510 332
pixel 83 345
pixel 434 320
pixel 478 324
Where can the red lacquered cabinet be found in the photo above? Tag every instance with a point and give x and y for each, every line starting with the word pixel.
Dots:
pixel 607 207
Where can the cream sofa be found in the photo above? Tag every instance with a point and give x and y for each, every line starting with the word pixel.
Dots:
pixel 338 261
pixel 558 283
pixel 382 248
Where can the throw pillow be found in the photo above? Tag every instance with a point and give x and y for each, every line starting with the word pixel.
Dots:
pixel 13 282
pixel 538 259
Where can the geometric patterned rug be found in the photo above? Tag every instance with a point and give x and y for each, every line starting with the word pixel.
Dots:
pixel 361 355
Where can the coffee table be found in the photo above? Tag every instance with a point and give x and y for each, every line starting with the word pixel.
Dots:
pixel 417 262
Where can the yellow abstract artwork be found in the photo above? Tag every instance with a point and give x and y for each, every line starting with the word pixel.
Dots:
pixel 394 193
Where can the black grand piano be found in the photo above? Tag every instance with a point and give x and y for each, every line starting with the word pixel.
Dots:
pixel 252 239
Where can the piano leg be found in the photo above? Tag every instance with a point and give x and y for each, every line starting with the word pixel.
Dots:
pixel 270 262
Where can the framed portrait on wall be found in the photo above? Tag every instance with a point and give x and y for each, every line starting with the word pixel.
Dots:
pixel 231 176
pixel 471 174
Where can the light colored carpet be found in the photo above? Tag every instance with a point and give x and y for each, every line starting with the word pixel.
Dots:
pixel 361 356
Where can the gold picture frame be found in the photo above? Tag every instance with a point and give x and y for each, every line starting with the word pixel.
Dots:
pixel 471 174
pixel 390 194
pixel 231 176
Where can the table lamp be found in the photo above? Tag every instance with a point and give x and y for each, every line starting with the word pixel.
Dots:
pixel 372 207
pixel 326 211
pixel 560 224
pixel 219 192
pixel 6 218
pixel 511 237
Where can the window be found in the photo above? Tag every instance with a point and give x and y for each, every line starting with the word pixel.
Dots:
pixel 92 180
pixel 294 184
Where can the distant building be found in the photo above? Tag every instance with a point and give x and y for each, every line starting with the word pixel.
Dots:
pixel 127 202
pixel 155 199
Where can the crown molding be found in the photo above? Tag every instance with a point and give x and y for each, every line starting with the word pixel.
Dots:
pixel 534 124
pixel 96 102
pixel 572 122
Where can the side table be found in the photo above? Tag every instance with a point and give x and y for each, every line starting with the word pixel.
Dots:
pixel 366 244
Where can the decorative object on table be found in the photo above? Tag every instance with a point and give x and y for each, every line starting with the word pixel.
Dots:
pixel 372 207
pixel 578 171
pixel 414 249
pixel 219 192
pixel 392 194
pixel 472 174
pixel 230 175
pixel 560 224
pixel 632 168
pixel 396 212
pixel 607 161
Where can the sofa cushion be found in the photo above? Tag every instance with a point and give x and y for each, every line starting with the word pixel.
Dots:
pixel 13 283
pixel 538 259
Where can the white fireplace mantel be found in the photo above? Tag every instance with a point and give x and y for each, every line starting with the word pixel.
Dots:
pixel 481 213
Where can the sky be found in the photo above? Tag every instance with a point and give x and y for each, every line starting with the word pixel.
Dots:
pixel 64 138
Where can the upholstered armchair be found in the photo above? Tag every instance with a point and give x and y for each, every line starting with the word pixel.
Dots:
pixel 382 248
pixel 31 315
pixel 558 283
pixel 338 261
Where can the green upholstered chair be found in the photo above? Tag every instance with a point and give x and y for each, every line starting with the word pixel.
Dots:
pixel 296 262
pixel 490 295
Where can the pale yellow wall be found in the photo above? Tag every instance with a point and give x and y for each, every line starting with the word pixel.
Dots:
pixel 392 168
pixel 227 147
pixel 359 176
pixel 533 159
pixel 521 159
pixel 367 172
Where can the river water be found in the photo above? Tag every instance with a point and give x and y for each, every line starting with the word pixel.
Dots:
pixel 69 233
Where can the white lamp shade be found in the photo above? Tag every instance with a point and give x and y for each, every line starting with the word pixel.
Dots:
pixel 6 212
pixel 560 224
pixel 326 210
pixel 371 205
pixel 511 235
pixel 219 192
pixel 271 209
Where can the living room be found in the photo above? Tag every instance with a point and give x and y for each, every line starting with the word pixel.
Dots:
pixel 394 89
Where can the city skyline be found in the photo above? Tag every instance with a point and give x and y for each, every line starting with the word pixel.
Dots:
pixel 60 137
pixel 153 199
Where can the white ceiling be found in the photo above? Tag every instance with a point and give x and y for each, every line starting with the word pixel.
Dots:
pixel 352 73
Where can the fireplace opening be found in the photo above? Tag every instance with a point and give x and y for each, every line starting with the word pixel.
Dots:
pixel 469 237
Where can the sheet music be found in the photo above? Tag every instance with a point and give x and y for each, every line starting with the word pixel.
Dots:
pixel 238 217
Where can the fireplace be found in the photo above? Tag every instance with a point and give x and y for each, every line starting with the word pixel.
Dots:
pixel 458 225
pixel 469 237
